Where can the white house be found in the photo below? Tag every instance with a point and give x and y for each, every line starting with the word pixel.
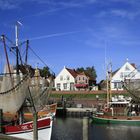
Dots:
pixel 69 79
pixel 126 72
pixel 65 80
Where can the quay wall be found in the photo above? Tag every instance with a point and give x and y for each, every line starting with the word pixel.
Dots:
pixel 85 98
pixel 90 92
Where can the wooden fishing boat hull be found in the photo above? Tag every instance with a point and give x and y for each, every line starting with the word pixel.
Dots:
pixel 25 130
pixel 134 120
pixel 47 110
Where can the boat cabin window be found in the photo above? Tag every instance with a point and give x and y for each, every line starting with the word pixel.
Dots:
pixel 118 105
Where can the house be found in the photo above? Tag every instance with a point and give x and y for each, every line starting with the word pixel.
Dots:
pixel 126 73
pixel 69 79
pixel 81 81
pixel 65 80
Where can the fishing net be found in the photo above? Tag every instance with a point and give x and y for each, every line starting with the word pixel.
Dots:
pixel 40 89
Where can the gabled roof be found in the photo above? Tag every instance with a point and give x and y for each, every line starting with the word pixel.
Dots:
pixel 114 72
pixel 72 72
pixel 81 73
pixel 132 64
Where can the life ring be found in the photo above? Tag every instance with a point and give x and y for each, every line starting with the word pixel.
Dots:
pixel 106 110
pixel 105 106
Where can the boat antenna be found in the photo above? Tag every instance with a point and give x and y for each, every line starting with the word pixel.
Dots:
pixel 17 49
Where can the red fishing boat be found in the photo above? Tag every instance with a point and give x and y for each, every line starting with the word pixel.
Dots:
pixel 25 130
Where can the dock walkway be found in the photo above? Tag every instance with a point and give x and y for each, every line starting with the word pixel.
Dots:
pixel 81 112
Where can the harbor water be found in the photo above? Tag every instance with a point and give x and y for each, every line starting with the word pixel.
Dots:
pixel 72 129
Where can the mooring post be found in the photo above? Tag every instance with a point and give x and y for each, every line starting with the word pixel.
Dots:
pixel 35 127
pixel 85 128
pixel 35 117
pixel 1 118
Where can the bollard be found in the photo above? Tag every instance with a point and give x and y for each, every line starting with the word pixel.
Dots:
pixel 85 128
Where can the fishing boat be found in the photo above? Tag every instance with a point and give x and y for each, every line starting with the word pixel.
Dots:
pixel 119 109
pixel 25 130
pixel 24 90
pixel 125 120
pixel 46 111
pixel 118 112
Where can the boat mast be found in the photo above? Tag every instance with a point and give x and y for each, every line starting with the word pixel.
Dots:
pixel 3 39
pixel 27 46
pixel 109 78
pixel 20 112
pixel 17 49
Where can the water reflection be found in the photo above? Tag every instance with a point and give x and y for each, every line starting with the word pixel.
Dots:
pixel 67 129
pixel 71 129
pixel 113 132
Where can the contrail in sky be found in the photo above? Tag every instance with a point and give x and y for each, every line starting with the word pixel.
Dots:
pixel 53 35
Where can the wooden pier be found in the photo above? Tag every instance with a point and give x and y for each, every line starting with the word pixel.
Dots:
pixel 79 112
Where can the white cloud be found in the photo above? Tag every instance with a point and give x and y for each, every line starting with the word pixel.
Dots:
pixel 64 3
pixel 7 4
pixel 11 4
pixel 125 13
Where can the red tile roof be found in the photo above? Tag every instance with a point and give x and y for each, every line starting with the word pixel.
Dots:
pixel 133 64
pixel 72 72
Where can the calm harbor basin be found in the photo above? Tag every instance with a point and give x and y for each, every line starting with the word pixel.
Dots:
pixel 70 128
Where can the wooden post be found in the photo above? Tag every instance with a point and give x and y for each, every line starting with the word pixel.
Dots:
pixel 85 128
pixel 35 117
pixel 35 130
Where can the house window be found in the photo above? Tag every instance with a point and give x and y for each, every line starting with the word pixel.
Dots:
pixel 58 86
pixel 121 75
pixel 127 74
pixel 61 78
pixel 65 85
pixel 79 78
pixel 68 78
pixel 119 85
pixel 127 68
pixel 83 78
pixel 71 86
pixel 115 85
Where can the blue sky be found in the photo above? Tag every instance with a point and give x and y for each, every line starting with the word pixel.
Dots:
pixel 76 33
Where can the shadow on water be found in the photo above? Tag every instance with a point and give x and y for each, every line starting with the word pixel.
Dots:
pixel 68 128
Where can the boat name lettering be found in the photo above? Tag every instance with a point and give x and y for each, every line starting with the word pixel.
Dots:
pixel 26 127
